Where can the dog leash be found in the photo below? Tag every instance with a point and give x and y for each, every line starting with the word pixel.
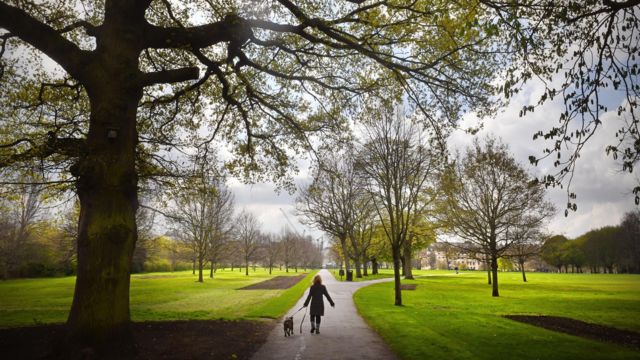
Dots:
pixel 303 316
pixel 298 310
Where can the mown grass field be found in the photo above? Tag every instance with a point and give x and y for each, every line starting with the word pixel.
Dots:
pixel 155 297
pixel 452 316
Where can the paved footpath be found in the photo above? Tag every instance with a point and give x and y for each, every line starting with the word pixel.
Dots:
pixel 343 333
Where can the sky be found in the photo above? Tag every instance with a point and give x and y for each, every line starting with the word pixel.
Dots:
pixel 603 191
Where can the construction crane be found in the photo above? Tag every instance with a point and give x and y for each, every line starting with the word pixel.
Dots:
pixel 290 223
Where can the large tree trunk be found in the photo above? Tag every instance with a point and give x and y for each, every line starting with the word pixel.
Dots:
pixel 107 188
pixel 494 271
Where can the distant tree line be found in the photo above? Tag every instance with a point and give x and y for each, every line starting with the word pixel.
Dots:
pixel 611 249
pixel 34 242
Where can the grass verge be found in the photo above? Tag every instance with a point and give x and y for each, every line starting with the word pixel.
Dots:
pixel 154 297
pixel 455 317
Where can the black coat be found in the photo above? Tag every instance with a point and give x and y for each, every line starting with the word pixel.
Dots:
pixel 315 296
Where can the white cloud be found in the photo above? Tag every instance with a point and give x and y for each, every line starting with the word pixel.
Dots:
pixel 603 190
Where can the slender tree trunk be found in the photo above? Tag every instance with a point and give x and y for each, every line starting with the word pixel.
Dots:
pixel 200 267
pixel 374 266
pixel 364 266
pixel 396 276
pixel 194 266
pixel 524 276
pixel 407 266
pixel 211 271
pixel 345 252
pixel 107 188
pixel 358 267
pixel 494 271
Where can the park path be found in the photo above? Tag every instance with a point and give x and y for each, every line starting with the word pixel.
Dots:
pixel 343 333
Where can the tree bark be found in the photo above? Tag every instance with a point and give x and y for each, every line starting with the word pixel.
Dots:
pixel 211 271
pixel 524 276
pixel 494 271
pixel 396 276
pixel 358 267
pixel 200 266
pixel 374 266
pixel 107 187
pixel 246 262
pixel 407 255
pixel 345 252
pixel 364 266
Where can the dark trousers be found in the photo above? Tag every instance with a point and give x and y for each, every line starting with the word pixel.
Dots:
pixel 315 319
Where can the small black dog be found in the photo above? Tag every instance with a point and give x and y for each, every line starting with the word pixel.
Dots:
pixel 288 326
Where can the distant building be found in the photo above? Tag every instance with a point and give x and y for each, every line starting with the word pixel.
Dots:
pixel 445 256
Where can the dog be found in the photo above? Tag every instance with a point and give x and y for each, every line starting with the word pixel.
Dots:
pixel 288 326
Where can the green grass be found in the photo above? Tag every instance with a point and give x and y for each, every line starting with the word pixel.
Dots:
pixel 455 317
pixel 155 297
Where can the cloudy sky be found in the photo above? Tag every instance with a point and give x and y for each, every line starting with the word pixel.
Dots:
pixel 604 192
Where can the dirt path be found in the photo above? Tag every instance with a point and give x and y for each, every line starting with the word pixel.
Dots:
pixel 343 333
pixel 278 282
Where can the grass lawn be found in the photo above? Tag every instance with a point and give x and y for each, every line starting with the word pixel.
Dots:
pixel 155 296
pixel 453 316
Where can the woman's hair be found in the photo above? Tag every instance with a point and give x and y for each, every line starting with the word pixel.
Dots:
pixel 317 280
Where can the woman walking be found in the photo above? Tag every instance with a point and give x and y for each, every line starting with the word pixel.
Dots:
pixel 316 291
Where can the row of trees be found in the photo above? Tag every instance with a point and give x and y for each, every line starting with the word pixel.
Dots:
pixel 35 243
pixel 396 184
pixel 611 249
pixel 204 219
pixel 380 189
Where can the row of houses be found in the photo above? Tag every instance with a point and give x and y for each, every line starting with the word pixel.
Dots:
pixel 446 256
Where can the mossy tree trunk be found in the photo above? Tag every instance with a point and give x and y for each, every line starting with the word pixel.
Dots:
pixel 107 188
